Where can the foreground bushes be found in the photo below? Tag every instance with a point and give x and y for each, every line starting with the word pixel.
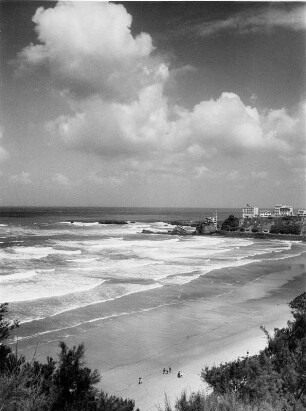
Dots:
pixel 277 375
pixel 62 385
pixel 274 380
pixel 227 402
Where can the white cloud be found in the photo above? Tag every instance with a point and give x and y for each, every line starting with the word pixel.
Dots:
pixel 89 49
pixel 23 178
pixel 60 179
pixel 104 179
pixel 115 86
pixel 144 127
pixel 263 19
pixel 3 153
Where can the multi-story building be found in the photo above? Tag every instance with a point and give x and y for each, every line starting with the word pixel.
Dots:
pixel 249 211
pixel 283 210
pixel 277 210
pixel 301 213
pixel 213 220
pixel 265 213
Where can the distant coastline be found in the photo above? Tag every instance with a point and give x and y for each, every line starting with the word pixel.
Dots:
pixel 268 236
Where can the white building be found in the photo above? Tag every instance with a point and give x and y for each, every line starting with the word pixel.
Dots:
pixel 213 219
pixel 301 213
pixel 283 210
pixel 265 213
pixel 249 211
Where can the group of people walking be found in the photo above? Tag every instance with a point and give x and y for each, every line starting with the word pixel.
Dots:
pixel 165 371
pixel 169 371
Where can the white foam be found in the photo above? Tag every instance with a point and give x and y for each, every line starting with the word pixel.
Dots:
pixel 180 280
pixel 46 270
pixel 134 289
pixel 17 277
pixel 46 289
pixel 28 253
pixel 81 224
pixel 83 260
pixel 118 253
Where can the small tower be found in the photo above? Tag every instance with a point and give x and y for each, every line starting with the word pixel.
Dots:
pixel 215 219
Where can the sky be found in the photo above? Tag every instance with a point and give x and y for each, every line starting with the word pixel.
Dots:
pixel 161 104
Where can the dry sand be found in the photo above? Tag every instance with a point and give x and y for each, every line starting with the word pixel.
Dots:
pixel 187 335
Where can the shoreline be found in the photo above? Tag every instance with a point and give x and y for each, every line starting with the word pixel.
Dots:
pixel 201 329
pixel 261 236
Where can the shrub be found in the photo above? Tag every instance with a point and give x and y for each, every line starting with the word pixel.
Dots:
pixel 63 385
pixel 230 223
pixel 228 402
pixel 277 374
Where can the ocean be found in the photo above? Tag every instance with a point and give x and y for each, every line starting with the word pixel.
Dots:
pixel 61 269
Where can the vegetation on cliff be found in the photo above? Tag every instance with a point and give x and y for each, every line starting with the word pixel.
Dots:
pixel 274 225
pixel 62 385
pixel 230 224
pixel 286 225
pixel 273 380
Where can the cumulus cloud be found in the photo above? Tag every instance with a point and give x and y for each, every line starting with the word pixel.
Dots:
pixel 115 82
pixel 23 178
pixel 225 125
pixel 262 19
pixel 60 179
pixel 89 48
pixel 3 152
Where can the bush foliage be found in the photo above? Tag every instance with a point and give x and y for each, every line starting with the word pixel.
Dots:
pixel 274 380
pixel 277 374
pixel 62 385
pixel 230 224
pixel 286 225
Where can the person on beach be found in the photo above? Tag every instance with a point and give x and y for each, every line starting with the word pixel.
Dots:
pixel 170 370
pixel 164 370
pixel 139 380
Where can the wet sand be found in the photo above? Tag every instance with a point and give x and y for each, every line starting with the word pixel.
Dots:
pixel 213 319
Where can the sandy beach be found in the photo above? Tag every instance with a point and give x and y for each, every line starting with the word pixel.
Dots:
pixel 152 202
pixel 214 321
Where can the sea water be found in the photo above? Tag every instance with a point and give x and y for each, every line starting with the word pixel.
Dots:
pixel 54 261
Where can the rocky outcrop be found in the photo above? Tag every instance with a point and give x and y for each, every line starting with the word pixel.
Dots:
pixel 120 222
pixel 205 228
pixel 178 230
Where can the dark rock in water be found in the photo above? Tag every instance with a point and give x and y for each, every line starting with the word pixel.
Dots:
pixel 178 231
pixel 206 228
pixel 120 222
